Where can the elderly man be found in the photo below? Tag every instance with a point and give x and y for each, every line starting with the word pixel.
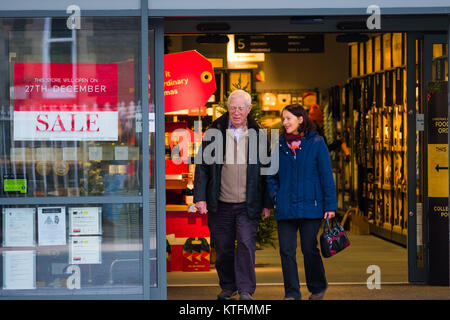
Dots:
pixel 234 194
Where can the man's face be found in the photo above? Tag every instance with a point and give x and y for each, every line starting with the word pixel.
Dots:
pixel 238 111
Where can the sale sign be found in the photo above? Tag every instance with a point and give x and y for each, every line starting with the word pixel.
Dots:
pixel 65 101
pixel 188 81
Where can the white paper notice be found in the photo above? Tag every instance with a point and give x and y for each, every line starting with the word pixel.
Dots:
pixel 85 250
pixel 151 122
pixel 45 154
pixel 18 227
pixel 70 154
pixel 19 270
pixel 18 154
pixel 121 153
pixel 52 226
pixel 85 221
pixel 95 153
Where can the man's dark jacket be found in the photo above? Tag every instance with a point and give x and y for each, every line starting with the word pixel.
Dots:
pixel 208 176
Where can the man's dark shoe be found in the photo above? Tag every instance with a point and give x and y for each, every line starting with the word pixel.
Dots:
pixel 226 295
pixel 245 296
pixel 317 296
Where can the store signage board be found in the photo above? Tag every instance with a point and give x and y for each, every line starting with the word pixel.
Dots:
pixel 438 170
pixel 65 101
pixel 51 226
pixel 438 181
pixel 188 81
pixel 438 140
pixel 19 270
pixel 18 227
pixel 85 221
pixel 279 43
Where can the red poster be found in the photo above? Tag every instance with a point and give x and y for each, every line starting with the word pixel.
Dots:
pixel 65 101
pixel 188 81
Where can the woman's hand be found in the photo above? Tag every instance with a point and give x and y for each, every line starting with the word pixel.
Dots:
pixel 329 214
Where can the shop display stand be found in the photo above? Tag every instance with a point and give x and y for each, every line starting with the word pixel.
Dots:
pixel 373 109
pixel 181 224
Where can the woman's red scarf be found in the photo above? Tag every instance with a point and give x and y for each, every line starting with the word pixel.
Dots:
pixel 293 141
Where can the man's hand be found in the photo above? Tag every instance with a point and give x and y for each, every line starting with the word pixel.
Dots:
pixel 329 214
pixel 201 207
pixel 266 213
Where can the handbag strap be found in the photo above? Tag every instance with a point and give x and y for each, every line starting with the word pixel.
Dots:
pixel 333 221
pixel 336 222
pixel 327 220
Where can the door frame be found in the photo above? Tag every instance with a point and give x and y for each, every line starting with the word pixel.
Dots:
pixel 413 26
pixel 415 274
pixel 156 56
pixel 425 51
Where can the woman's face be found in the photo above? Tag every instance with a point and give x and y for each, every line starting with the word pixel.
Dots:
pixel 291 122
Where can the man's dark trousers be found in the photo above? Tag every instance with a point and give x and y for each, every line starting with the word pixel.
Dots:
pixel 236 269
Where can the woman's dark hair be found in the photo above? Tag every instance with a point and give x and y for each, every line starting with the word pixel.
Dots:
pixel 298 111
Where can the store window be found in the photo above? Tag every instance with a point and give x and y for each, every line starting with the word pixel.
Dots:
pixel 70 126
pixel 69 104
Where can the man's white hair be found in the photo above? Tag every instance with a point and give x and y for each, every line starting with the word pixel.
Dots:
pixel 242 94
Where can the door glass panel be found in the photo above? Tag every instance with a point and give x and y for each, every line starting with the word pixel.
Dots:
pixel 68 108
pixel 419 158
pixel 69 103
pixel 152 164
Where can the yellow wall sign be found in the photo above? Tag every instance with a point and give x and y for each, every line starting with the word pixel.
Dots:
pixel 438 170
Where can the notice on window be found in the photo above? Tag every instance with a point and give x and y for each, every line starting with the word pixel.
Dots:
pixel 19 270
pixel 65 101
pixel 18 227
pixel 70 154
pixel 85 221
pixel 51 226
pixel 85 250
pixel 95 153
pixel 151 122
pixel 14 184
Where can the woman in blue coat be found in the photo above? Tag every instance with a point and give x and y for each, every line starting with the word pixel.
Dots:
pixel 303 192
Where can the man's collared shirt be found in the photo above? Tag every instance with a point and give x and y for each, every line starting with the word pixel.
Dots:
pixel 237 131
